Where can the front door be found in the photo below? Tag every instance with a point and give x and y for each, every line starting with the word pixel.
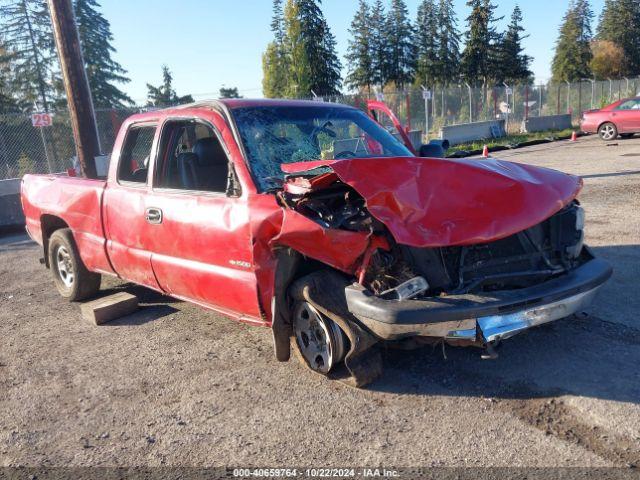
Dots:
pixel 201 244
pixel 626 116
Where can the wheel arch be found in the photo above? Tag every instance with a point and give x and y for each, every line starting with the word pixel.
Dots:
pixel 49 224
pixel 291 266
pixel 604 122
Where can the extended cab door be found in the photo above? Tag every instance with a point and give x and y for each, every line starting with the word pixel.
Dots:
pixel 201 239
pixel 125 208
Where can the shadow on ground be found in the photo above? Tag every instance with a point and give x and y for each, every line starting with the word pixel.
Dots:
pixel 596 356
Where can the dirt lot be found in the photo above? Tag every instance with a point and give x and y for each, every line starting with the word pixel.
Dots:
pixel 175 385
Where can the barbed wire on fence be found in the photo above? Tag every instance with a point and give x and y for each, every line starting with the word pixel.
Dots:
pixel 28 149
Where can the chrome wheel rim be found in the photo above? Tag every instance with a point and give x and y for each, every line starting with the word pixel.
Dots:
pixel 65 266
pixel 319 339
pixel 608 132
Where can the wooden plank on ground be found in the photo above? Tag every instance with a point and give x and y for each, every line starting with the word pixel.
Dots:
pixel 109 308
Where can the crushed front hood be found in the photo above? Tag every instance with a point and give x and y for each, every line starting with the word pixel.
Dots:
pixel 429 202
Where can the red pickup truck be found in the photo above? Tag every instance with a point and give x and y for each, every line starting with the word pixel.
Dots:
pixel 312 219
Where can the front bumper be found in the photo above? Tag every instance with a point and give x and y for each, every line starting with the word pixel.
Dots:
pixel 481 318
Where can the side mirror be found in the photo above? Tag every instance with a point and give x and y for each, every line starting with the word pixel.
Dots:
pixel 435 149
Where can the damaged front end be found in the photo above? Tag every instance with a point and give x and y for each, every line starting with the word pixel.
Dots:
pixel 427 251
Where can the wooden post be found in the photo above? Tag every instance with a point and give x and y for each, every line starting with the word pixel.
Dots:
pixel 81 113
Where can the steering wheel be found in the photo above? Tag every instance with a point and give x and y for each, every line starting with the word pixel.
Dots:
pixel 346 154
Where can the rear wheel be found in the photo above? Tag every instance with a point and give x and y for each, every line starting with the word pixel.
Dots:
pixel 608 131
pixel 319 341
pixel 71 277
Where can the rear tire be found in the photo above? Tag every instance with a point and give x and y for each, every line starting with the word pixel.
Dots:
pixel 608 131
pixel 72 279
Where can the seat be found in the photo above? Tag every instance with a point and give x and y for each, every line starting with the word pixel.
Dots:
pixel 187 169
pixel 212 166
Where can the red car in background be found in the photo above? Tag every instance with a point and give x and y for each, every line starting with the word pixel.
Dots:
pixel 620 118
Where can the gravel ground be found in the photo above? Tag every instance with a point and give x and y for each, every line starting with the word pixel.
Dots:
pixel 174 385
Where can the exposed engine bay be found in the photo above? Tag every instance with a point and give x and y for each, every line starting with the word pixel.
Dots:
pixel 535 255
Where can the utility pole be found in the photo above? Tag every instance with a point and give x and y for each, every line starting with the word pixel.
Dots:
pixel 76 85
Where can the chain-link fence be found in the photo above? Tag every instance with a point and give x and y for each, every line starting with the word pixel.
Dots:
pixel 25 148
pixel 28 149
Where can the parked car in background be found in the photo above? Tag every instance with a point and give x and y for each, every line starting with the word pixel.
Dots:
pixel 620 118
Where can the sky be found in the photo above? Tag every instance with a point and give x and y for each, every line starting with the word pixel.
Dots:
pixel 208 44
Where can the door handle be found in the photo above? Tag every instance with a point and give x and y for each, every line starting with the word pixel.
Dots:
pixel 153 216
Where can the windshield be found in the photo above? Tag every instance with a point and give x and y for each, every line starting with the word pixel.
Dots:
pixel 284 134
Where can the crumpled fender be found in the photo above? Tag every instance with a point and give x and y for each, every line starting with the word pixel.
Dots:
pixel 429 202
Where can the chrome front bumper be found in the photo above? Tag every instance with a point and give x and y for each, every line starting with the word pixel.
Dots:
pixel 500 327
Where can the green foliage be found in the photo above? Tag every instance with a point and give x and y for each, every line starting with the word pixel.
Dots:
pixel 448 43
pixel 164 95
pixel 620 24
pixel 401 49
pixel 29 39
pixel 427 37
pixel 379 44
pixel 25 165
pixel 275 64
pixel 359 57
pixel 8 102
pixel 302 59
pixel 102 71
pixel 573 50
pixel 480 54
pixel 229 92
pixel 513 63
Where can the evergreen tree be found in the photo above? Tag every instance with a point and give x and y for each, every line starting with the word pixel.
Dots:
pixel 620 24
pixel 573 49
pixel 102 71
pixel 513 64
pixel 359 58
pixel 313 63
pixel 379 44
pixel 28 36
pixel 480 52
pixel 165 95
pixel 229 92
pixel 427 37
pixel 448 43
pixel 8 103
pixel 402 51
pixel 274 60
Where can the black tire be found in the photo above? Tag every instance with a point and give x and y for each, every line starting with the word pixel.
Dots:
pixel 608 132
pixel 71 277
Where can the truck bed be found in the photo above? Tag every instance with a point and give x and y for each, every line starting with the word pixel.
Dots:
pixel 48 200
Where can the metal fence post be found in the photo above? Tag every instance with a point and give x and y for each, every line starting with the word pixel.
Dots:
pixel 46 150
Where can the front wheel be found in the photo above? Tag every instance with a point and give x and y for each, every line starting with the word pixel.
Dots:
pixel 319 341
pixel 608 131
pixel 71 277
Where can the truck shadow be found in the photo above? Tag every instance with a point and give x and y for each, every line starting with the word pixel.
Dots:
pixel 596 356
pixel 153 305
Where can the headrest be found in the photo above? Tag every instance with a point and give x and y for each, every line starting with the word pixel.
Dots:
pixel 209 151
pixel 187 157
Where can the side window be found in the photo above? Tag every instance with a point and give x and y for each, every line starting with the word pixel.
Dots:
pixel 192 158
pixel 629 105
pixel 136 154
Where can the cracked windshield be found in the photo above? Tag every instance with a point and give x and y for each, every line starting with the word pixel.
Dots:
pixel 276 135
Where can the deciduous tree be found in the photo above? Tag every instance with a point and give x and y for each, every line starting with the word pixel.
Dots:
pixel 608 60
pixel 620 24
